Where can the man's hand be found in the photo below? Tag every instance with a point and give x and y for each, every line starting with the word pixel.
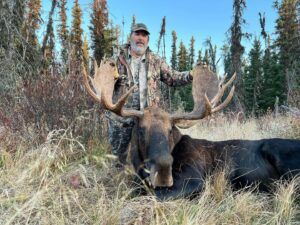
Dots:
pixel 116 73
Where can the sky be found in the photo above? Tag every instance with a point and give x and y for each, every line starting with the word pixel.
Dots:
pixel 198 18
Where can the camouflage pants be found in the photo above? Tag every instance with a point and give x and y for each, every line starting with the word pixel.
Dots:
pixel 119 135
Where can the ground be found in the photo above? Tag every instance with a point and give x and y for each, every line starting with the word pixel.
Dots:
pixel 64 182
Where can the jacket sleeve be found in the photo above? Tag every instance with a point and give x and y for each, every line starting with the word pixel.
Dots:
pixel 172 77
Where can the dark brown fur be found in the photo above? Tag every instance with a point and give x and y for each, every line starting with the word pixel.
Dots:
pixel 182 163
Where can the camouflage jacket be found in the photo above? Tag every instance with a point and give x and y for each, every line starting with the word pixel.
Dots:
pixel 157 72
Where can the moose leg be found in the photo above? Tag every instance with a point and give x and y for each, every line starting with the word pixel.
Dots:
pixel 187 183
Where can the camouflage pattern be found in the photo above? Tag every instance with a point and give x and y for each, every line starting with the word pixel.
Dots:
pixel 156 70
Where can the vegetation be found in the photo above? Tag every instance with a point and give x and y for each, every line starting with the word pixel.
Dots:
pixel 64 182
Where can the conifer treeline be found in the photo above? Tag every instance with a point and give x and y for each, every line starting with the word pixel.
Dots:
pixel 270 71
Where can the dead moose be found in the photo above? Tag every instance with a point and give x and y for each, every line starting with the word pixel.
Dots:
pixel 178 164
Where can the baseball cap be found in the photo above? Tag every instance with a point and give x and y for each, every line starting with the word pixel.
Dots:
pixel 140 26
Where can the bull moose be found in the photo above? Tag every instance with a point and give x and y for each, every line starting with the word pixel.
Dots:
pixel 177 164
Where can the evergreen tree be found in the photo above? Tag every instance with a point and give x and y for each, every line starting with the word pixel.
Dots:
pixel 252 80
pixel 174 51
pixel 206 58
pixel 11 45
pixel 110 40
pixel 99 34
pixel 191 53
pixel 86 54
pixel 288 43
pixel 63 33
pixel 237 50
pixel 133 22
pixel 162 37
pixel 273 86
pixel 211 54
pixel 33 21
pixel 175 99
pixel 185 92
pixel 226 58
pixel 199 58
pixel 48 45
pixel 76 32
pixel 182 58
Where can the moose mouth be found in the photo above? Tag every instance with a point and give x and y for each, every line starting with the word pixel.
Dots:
pixel 161 176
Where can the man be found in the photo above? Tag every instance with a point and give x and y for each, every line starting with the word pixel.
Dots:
pixel 138 65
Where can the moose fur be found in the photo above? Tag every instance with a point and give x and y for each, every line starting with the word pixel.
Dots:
pixel 182 163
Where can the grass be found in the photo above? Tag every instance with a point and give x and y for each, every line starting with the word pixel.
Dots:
pixel 63 182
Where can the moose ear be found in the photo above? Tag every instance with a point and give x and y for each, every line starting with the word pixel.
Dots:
pixel 176 135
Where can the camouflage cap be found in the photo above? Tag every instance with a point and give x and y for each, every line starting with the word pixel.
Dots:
pixel 140 26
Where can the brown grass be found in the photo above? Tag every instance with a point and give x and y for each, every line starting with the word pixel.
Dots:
pixel 63 182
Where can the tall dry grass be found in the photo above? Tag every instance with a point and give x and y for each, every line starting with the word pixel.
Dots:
pixel 64 182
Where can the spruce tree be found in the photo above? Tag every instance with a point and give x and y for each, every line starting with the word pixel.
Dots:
pixel 133 22
pixel 76 32
pixel 33 21
pixel 63 33
pixel 273 86
pixel 252 80
pixel 225 53
pixel 175 99
pixel 12 43
pixel 237 51
pixel 211 54
pixel 99 33
pixel 199 58
pixel 191 53
pixel 288 43
pixel 182 58
pixel 86 54
pixel 48 45
pixel 174 51
pixel 185 92
pixel 206 58
pixel 162 38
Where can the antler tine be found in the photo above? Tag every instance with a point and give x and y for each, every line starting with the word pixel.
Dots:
pixel 117 108
pixel 103 84
pixel 225 103
pixel 222 88
pixel 86 79
pixel 205 87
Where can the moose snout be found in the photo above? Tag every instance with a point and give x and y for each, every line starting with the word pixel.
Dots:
pixel 161 178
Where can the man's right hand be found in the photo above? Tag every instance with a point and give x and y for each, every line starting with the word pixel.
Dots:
pixel 116 73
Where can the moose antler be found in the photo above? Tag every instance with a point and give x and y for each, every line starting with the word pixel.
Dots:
pixel 103 83
pixel 207 92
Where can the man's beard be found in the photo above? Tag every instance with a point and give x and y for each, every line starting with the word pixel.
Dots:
pixel 139 50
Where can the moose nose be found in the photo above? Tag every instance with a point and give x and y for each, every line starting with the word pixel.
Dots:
pixel 161 177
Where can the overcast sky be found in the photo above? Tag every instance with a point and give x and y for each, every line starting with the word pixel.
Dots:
pixel 198 18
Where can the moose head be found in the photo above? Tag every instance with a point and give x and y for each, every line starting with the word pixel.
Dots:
pixel 156 134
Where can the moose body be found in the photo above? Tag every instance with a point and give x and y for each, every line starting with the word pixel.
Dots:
pixel 247 162
pixel 176 164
